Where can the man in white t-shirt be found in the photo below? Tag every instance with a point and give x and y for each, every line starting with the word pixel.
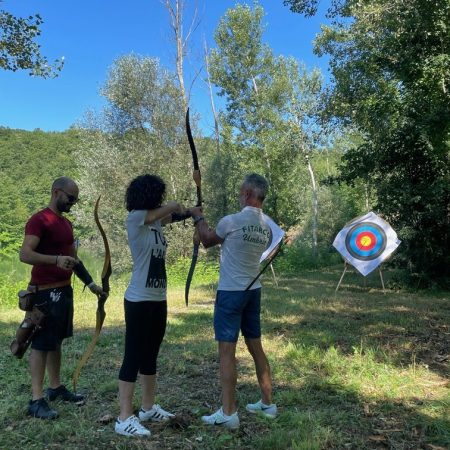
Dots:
pixel 243 238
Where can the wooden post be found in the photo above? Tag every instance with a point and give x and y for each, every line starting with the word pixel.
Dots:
pixel 274 276
pixel 342 276
pixel 382 281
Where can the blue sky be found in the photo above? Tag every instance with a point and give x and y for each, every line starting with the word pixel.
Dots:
pixel 91 34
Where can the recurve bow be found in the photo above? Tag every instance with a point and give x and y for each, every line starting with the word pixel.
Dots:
pixel 198 182
pixel 100 314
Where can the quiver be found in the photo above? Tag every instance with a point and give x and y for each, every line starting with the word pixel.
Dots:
pixel 33 322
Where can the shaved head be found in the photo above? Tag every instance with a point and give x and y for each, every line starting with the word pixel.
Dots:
pixel 63 183
pixel 64 195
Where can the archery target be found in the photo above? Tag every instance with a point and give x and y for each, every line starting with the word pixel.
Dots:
pixel 366 241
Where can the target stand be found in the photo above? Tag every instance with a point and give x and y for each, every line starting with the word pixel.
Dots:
pixel 346 264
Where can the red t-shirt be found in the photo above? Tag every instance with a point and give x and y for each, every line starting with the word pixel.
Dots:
pixel 56 238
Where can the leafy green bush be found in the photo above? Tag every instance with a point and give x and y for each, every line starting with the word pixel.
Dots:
pixel 13 270
pixel 8 291
pixel 299 255
pixel 9 244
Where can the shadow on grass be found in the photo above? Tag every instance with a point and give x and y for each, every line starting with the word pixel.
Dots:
pixel 346 419
pixel 408 327
pixel 314 407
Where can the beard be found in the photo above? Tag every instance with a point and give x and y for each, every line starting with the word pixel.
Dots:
pixel 63 207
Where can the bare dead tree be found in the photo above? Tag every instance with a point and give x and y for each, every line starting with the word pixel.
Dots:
pixel 211 98
pixel 175 9
pixel 314 204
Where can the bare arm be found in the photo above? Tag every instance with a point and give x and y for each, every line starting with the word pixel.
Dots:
pixel 29 255
pixel 163 213
pixel 208 236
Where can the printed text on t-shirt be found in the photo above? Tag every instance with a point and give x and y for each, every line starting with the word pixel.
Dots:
pixel 156 277
pixel 256 234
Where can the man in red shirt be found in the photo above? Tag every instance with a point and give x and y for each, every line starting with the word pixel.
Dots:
pixel 49 247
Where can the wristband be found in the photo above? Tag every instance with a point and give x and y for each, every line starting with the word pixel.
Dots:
pixel 90 285
pixel 198 219
pixel 179 217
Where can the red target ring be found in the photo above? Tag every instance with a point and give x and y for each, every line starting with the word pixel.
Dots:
pixel 366 241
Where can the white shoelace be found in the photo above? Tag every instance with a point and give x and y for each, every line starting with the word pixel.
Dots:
pixel 134 426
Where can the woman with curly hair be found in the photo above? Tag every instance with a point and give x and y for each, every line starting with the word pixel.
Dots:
pixel 145 300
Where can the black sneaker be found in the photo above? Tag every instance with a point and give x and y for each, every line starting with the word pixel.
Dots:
pixel 41 410
pixel 64 394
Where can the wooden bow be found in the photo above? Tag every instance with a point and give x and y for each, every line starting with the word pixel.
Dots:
pixel 198 181
pixel 100 314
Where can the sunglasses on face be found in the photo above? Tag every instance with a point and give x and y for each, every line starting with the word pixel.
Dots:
pixel 70 197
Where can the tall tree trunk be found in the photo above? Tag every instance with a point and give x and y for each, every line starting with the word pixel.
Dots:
pixel 366 189
pixel 175 9
pixel 267 159
pixel 211 98
pixel 176 20
pixel 224 198
pixel 315 198
pixel 315 205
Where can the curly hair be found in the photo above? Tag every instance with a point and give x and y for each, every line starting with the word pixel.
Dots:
pixel 145 192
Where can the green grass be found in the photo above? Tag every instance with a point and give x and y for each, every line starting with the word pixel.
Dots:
pixel 360 369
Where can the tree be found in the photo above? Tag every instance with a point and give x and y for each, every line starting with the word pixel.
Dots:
pixel 19 49
pixel 175 9
pixel 29 162
pixel 14 214
pixel 141 130
pixel 247 74
pixel 271 102
pixel 220 166
pixel 304 133
pixel 391 66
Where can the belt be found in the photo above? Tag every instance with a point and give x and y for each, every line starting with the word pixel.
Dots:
pixel 35 288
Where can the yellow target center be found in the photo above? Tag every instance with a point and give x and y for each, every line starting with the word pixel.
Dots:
pixel 366 241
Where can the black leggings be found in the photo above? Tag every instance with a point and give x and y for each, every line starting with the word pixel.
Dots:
pixel 145 328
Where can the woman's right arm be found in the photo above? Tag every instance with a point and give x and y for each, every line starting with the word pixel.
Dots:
pixel 163 212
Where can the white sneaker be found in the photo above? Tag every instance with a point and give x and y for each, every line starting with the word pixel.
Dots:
pixel 260 407
pixel 221 419
pixel 131 427
pixel 155 414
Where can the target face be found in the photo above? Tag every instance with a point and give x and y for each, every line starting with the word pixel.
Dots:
pixel 365 241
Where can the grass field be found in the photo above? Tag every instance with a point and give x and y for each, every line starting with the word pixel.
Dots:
pixel 356 370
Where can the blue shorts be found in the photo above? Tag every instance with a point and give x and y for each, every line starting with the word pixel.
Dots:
pixel 237 310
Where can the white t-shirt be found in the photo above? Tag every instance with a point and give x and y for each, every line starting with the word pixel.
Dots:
pixel 246 235
pixel 148 250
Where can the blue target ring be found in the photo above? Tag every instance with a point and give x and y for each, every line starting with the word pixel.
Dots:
pixel 366 241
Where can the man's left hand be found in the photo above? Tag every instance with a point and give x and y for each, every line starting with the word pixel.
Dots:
pixel 97 290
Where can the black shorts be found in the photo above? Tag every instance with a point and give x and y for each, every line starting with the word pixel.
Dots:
pixel 57 304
